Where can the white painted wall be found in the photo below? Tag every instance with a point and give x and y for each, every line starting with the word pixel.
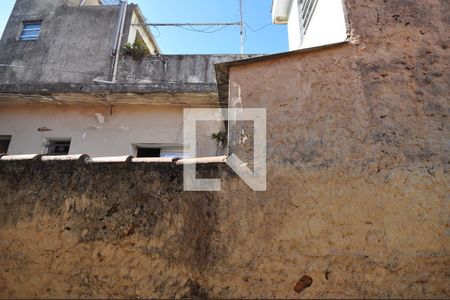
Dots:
pixel 96 132
pixel 327 25
pixel 294 28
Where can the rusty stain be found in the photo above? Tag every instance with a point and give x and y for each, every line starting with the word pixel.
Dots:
pixel 43 129
pixel 303 283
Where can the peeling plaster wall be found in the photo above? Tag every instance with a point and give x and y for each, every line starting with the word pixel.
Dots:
pixel 100 130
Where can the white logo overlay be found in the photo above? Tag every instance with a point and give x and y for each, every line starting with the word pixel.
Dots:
pixel 256 180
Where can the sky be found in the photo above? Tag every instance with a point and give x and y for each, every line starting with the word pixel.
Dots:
pixel 262 37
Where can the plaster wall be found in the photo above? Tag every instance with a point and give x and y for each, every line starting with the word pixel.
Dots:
pixel 294 27
pixel 172 68
pixel 327 25
pixel 99 130
pixel 74 44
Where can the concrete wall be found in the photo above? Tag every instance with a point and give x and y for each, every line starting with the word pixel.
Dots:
pixel 74 45
pixel 172 68
pixel 100 130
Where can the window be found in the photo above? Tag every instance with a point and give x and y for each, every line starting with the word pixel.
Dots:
pixel 4 143
pixel 30 31
pixel 157 150
pixel 58 146
pixel 308 7
pixel 148 152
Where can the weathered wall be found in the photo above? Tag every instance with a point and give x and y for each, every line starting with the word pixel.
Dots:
pixel 357 187
pixel 128 230
pixel 100 130
pixel 366 120
pixel 172 68
pixel 74 45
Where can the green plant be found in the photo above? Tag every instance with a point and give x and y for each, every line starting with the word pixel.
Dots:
pixel 138 50
pixel 220 137
pixel 221 140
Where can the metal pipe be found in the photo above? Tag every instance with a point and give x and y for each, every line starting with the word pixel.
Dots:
pixel 118 39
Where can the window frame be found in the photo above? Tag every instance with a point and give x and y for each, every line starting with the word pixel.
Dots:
pixel 165 150
pixel 6 138
pixel 307 8
pixel 51 142
pixel 30 38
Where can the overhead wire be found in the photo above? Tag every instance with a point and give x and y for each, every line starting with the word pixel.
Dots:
pixel 258 29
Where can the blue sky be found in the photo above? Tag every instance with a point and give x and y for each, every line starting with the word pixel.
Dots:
pixel 270 39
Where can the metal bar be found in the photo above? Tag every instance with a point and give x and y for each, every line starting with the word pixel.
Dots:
pixel 124 6
pixel 241 24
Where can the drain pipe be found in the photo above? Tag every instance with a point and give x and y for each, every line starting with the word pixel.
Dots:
pixel 118 38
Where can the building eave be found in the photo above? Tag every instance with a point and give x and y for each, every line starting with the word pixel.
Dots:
pixel 280 11
pixel 187 95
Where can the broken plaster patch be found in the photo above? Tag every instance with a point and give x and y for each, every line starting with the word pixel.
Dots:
pixel 100 118
pixel 316 225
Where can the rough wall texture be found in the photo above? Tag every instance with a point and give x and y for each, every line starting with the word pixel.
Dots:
pixel 74 45
pixel 172 68
pixel 357 187
pixel 368 123
pixel 128 230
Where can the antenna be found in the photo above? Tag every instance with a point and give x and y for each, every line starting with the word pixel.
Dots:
pixel 242 26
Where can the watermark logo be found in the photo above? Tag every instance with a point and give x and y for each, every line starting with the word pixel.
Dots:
pixel 255 179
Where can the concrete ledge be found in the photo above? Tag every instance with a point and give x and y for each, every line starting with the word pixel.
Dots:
pixel 21 157
pixel 113 159
pixel 80 157
pixel 110 159
pixel 202 160
pixel 151 160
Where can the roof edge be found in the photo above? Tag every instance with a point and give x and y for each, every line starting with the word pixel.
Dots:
pixel 223 69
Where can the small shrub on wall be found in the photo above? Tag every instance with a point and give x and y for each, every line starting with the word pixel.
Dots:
pixel 138 50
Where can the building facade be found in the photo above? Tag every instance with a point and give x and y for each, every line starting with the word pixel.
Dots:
pixel 67 85
pixel 311 23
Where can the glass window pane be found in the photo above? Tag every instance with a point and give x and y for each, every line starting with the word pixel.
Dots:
pixel 30 31
pixel 31 26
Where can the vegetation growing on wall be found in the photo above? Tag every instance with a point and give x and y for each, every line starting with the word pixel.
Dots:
pixel 221 140
pixel 138 50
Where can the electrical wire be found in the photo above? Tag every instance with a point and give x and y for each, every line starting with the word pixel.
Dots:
pixel 191 28
pixel 258 29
